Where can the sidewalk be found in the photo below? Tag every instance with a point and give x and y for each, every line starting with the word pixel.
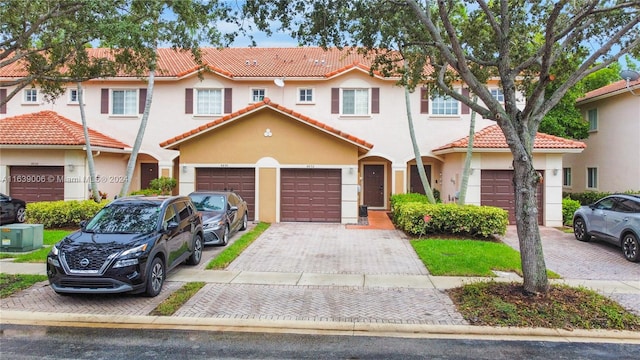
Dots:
pixel 258 294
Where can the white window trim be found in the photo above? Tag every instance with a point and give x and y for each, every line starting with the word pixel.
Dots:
pixel 253 101
pixel 69 100
pixel 24 97
pixel 342 114
pixel 195 102
pixel 499 92
pixel 432 107
pixel 589 120
pixel 112 103
pixel 570 184
pixel 313 96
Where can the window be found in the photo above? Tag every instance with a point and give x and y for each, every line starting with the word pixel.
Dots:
pixel 31 96
pixel 592 178
pixel 566 176
pixel 209 101
pixel 444 105
pixel 73 96
pixel 593 119
pixel 125 102
pixel 305 95
pixel 355 101
pixel 498 95
pixel 257 95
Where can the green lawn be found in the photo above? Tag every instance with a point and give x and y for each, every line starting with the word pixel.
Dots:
pixel 453 257
pixel 49 238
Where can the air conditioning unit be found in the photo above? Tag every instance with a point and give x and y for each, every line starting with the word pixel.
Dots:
pixel 21 237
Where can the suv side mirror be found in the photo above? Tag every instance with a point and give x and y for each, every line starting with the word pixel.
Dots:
pixel 170 226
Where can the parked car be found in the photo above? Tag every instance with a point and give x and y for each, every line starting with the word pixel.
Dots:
pixel 12 210
pixel 615 219
pixel 128 246
pixel 223 214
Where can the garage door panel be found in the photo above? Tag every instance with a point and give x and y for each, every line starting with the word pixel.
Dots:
pixel 497 190
pixel 310 195
pixel 37 183
pixel 240 180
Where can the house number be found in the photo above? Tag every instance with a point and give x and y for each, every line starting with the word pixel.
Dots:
pixel 224 165
pixel 310 166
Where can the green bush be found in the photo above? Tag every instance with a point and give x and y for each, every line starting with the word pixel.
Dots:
pixel 62 214
pixel 569 206
pixel 589 197
pixel 163 184
pixel 420 218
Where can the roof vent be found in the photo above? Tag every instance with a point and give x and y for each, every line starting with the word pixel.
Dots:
pixel 255 62
pixel 315 61
pixel 247 62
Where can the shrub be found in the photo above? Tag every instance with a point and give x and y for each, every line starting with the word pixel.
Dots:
pixel 163 184
pixel 62 214
pixel 569 206
pixel 420 218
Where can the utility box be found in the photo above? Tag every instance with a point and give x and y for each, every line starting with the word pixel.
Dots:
pixel 21 237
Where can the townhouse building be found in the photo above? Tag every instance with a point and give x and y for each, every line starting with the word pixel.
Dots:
pixel 303 134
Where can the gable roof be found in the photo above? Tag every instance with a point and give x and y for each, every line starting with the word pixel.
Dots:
pixel 265 104
pixel 618 87
pixel 491 138
pixel 266 63
pixel 49 128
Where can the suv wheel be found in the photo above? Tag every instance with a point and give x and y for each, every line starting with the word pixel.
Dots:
pixel 155 277
pixel 20 214
pixel 580 229
pixel 195 257
pixel 630 247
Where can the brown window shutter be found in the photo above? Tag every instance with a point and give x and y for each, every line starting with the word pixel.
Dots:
pixel 3 96
pixel 335 100
pixel 375 100
pixel 104 101
pixel 424 100
pixel 142 98
pixel 465 107
pixel 228 107
pixel 188 101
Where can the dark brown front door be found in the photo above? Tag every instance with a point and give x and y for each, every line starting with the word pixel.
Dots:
pixel 415 184
pixel 374 185
pixel 148 172
pixel 496 189
pixel 37 183
pixel 311 195
pixel 240 180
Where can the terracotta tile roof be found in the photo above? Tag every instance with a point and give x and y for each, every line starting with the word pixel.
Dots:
pixel 492 137
pixel 49 128
pixel 267 103
pixel 298 62
pixel 611 88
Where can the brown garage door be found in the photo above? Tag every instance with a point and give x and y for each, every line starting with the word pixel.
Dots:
pixel 312 195
pixel 240 180
pixel 496 189
pixel 37 183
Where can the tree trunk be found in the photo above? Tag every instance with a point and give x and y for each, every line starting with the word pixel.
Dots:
pixel 95 193
pixel 525 182
pixel 131 165
pixel 416 151
pixel 462 192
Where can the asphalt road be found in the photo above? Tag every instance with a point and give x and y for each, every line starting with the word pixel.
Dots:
pixel 44 342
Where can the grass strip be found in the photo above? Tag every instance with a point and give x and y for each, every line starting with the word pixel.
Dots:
pixel 453 257
pixel 232 251
pixel 177 299
pixel 12 283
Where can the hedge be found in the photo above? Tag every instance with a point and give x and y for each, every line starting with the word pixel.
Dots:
pixel 62 214
pixel 414 215
pixel 569 206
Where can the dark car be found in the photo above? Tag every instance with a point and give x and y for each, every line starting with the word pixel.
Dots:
pixel 128 246
pixel 223 214
pixel 12 210
pixel 615 219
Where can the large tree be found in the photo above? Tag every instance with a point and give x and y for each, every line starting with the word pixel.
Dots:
pixel 529 46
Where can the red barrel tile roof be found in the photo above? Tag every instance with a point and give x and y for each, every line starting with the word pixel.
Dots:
pixel 49 128
pixel 492 137
pixel 267 103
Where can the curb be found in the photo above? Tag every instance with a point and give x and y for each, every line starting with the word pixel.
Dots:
pixel 315 327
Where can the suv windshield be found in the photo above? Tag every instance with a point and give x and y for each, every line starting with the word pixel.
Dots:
pixel 125 219
pixel 208 202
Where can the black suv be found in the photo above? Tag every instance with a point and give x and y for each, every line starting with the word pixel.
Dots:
pixel 128 246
